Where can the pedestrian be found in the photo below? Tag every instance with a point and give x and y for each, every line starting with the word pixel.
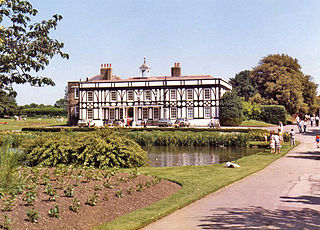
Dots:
pixel 292 137
pixel 318 140
pixel 277 143
pixel 301 123
pixel 280 131
pixel 305 126
pixel 145 123
pixel 298 119
pixel 272 143
pixel 312 120
pixel 317 120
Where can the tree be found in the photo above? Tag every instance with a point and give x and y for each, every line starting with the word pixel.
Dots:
pixel 244 85
pixel 8 104
pixel 25 47
pixel 279 79
pixel 230 109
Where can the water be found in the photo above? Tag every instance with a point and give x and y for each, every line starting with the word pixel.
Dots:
pixel 161 156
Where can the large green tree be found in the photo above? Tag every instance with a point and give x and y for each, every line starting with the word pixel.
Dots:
pixel 244 85
pixel 279 79
pixel 25 47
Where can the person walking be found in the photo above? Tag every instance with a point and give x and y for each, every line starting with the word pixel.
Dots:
pixel 318 140
pixel 272 143
pixel 317 120
pixel 280 131
pixel 311 120
pixel 305 125
pixel 301 123
pixel 292 137
pixel 277 143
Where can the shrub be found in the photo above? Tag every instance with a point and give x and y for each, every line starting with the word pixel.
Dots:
pixel 10 164
pixel 273 114
pixel 103 148
pixel 188 138
pixel 230 109
pixel 251 111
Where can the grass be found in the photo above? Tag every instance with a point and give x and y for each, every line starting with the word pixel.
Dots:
pixel 197 182
pixel 255 123
pixel 30 122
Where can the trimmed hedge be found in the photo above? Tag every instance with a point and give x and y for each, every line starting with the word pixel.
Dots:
pixel 273 114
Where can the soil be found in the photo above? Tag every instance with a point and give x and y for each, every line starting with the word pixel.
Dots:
pixel 134 191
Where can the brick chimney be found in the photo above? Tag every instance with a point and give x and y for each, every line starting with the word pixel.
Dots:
pixel 176 70
pixel 106 72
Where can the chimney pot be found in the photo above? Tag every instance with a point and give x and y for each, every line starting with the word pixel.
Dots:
pixel 101 65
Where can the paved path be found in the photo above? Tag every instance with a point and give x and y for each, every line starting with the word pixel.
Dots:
pixel 284 195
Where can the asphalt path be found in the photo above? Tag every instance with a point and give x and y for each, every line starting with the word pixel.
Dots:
pixel 284 195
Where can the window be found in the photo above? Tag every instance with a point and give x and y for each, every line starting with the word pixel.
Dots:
pixel 90 114
pixel 173 94
pixel 207 112
pixel 155 113
pixel 113 95
pixel 76 111
pixel 190 113
pixel 144 113
pixel 76 93
pixel 206 94
pixel 112 114
pixel 173 113
pixel 90 96
pixel 130 95
pixel 147 95
pixel 189 94
pixel 121 113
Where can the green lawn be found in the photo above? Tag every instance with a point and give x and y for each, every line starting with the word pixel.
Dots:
pixel 30 122
pixel 254 123
pixel 197 182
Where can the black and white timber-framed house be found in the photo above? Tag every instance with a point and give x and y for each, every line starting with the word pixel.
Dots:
pixel 104 98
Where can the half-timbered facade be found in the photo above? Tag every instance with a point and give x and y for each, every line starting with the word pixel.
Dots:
pixel 104 98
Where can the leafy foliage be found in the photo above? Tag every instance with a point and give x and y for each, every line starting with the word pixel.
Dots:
pixel 230 109
pixel 188 138
pixel 273 114
pixel 244 85
pixel 25 47
pixel 98 149
pixel 10 164
pixel 280 81
pixel 251 111
pixel 8 104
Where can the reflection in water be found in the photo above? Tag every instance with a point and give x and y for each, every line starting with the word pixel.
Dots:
pixel 161 156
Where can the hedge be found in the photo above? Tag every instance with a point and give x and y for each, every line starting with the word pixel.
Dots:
pixel 31 112
pixel 273 114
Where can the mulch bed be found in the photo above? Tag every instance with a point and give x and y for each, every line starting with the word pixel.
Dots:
pixel 117 194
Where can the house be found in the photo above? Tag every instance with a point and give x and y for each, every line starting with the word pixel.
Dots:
pixel 105 97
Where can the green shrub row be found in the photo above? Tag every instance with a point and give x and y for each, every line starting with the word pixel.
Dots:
pixel 99 149
pixel 188 138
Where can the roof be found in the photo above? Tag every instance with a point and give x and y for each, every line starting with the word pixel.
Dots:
pixel 156 78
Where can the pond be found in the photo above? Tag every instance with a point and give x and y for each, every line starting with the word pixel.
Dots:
pixel 161 156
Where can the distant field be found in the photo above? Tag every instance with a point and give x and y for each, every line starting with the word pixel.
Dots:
pixel 30 122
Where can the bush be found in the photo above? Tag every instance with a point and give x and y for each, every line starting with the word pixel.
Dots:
pixel 230 109
pixel 10 164
pixel 251 111
pixel 99 149
pixel 273 114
